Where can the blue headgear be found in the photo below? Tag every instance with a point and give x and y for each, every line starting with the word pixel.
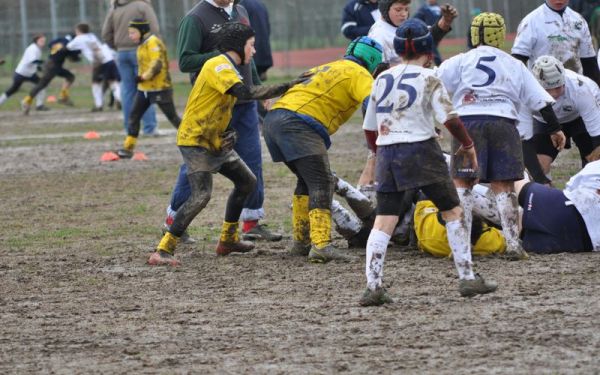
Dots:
pixel 413 36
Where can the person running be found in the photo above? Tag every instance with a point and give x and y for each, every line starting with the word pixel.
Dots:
pixel 26 72
pixel 206 142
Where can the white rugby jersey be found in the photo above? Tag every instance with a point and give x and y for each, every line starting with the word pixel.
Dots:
pixel 405 104
pixel 546 32
pixel 91 48
pixel 581 98
pixel 27 67
pixel 489 81
pixel 583 190
pixel 384 33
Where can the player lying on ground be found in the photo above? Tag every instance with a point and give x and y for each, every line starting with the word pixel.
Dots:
pixel 577 107
pixel 405 103
pixel 207 145
pixel 26 72
pixel 297 132
pixel 154 83
pixel 487 87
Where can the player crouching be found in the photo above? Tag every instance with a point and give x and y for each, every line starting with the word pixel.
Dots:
pixel 405 102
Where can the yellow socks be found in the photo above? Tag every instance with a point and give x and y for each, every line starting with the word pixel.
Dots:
pixel 28 100
pixel 320 227
pixel 229 232
pixel 64 93
pixel 129 143
pixel 168 243
pixel 300 220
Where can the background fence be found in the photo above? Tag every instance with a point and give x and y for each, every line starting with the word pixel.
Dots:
pixel 296 24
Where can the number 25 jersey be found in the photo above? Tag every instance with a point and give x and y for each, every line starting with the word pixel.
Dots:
pixel 489 81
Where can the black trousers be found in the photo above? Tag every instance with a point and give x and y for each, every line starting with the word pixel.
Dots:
pixel 51 70
pixel 314 179
pixel 18 80
pixel 143 100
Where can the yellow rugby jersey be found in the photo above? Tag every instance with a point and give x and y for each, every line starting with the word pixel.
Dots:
pixel 209 109
pixel 332 95
pixel 433 239
pixel 153 65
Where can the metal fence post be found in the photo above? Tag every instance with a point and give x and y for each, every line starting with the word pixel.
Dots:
pixel 186 6
pixel 24 31
pixel 162 21
pixel 82 12
pixel 53 23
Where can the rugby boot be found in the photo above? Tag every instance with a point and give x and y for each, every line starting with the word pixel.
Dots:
pixel 470 288
pixel 42 108
pixel 229 242
pixel 66 101
pixel 300 226
pixel 26 104
pixel 97 109
pixel 327 254
pixel 128 145
pixel 124 154
pixel 515 253
pixel 162 258
pixel 260 232
pixel 164 252
pixel 185 238
pixel 375 297
pixel 299 248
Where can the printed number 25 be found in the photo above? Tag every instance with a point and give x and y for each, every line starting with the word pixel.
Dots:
pixel 487 70
pixel 389 85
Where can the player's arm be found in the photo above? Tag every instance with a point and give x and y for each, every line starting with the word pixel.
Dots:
pixel 444 25
pixel 108 31
pixel 189 42
pixel 370 122
pixel 154 55
pixel 243 92
pixel 524 42
pixel 590 68
pixel 350 27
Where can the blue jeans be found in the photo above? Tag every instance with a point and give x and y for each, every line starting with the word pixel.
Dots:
pixel 245 122
pixel 127 63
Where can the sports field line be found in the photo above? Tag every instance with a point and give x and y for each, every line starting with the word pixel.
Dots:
pixel 164 132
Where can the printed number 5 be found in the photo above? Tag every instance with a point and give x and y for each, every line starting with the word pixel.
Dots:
pixel 389 82
pixel 487 70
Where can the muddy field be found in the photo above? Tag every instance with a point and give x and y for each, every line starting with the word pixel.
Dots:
pixel 77 297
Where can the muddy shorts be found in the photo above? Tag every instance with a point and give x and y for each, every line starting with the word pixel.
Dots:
pixel 199 159
pixel 574 130
pixel 499 150
pixel 551 223
pixel 107 71
pixel 289 138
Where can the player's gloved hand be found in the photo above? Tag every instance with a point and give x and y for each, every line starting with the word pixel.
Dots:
pixel 228 140
pixel 139 79
pixel 304 77
pixel 558 140
pixel 471 156
pixel 594 155
pixel 380 68
pixel 449 13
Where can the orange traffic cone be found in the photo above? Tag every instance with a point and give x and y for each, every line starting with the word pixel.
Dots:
pixel 91 135
pixel 109 156
pixel 140 156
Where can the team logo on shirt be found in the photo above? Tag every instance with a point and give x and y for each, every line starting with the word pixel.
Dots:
pixel 578 25
pixel 567 108
pixel 469 97
pixel 557 38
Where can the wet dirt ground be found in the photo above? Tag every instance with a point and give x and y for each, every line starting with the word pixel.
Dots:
pixel 77 297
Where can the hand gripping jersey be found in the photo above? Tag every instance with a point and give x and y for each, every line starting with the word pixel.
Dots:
pixel 91 48
pixel 154 63
pixel 384 33
pixel 488 81
pixel 28 66
pixel 583 190
pixel 331 96
pixel 405 104
pixel 209 108
pixel 546 32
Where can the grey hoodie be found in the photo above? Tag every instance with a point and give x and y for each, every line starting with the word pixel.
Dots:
pixel 114 31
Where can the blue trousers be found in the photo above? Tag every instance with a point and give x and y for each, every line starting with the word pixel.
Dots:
pixel 128 69
pixel 245 123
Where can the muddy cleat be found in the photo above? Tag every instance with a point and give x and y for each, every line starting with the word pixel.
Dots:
pixel 124 154
pixel 162 258
pixel 226 248
pixel 375 297
pixel 261 233
pixel 470 288
pixel 66 101
pixel 515 254
pixel 327 254
pixel 299 248
pixel 42 108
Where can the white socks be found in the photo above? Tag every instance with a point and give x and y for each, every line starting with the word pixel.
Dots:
pixel 116 90
pixel 509 216
pixel 467 202
pixel 347 224
pixel 485 205
pixel 459 241
pixel 40 97
pixel 3 98
pixel 376 248
pixel 97 94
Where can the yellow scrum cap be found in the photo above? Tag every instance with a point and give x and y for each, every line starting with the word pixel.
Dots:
pixel 489 29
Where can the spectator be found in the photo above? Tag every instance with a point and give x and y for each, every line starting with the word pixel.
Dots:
pixel 358 17
pixel 430 13
pixel 259 19
pixel 115 34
